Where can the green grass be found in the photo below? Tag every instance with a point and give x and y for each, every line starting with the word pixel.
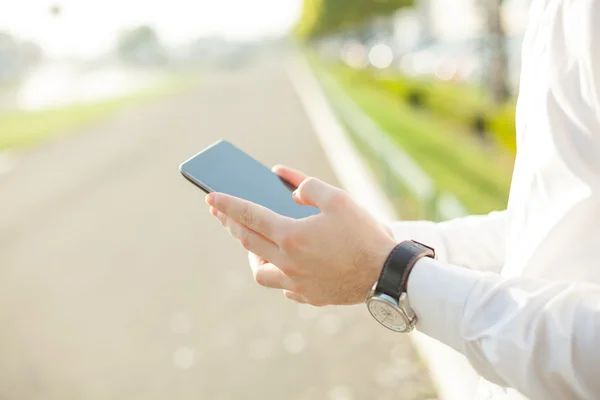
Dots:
pixel 23 129
pixel 479 178
pixel 463 104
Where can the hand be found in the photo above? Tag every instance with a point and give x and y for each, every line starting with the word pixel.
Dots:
pixel 330 258
pixel 296 177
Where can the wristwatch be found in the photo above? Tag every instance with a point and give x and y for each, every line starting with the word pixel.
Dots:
pixel 387 301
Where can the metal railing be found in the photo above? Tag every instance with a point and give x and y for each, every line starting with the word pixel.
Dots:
pixel 413 192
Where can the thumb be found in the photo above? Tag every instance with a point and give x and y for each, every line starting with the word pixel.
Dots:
pixel 291 175
pixel 316 193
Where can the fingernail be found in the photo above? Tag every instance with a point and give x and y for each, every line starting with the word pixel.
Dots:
pixel 295 193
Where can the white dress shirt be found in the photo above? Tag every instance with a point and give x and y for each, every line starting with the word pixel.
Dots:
pixel 518 291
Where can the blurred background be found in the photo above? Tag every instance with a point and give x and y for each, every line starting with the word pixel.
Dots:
pixel 115 281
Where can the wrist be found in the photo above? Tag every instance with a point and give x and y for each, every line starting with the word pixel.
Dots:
pixel 400 261
pixel 375 265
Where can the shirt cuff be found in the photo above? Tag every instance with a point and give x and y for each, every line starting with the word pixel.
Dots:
pixel 437 292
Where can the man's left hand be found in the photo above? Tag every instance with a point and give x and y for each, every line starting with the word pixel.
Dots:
pixel 330 258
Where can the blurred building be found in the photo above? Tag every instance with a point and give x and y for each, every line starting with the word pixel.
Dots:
pixel 16 57
pixel 9 58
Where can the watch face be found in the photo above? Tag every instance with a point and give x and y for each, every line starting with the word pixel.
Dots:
pixel 387 314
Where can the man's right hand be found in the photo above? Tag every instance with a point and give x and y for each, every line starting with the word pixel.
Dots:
pixel 295 178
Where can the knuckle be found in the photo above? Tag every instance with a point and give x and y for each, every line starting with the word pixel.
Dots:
pixel 247 217
pixel 338 200
pixel 223 220
pixel 289 241
pixel 309 181
pixel 290 270
pixel 292 241
pixel 297 287
pixel 306 183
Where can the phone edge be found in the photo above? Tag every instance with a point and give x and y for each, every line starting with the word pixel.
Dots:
pixel 205 188
pixel 200 152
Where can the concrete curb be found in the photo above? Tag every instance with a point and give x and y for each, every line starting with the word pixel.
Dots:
pixel 451 373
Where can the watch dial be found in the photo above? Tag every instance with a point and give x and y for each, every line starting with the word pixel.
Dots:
pixel 387 315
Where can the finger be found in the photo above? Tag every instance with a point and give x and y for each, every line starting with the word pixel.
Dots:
pixel 255 261
pixel 295 296
pixel 291 175
pixel 256 217
pixel 268 275
pixel 251 240
pixel 314 192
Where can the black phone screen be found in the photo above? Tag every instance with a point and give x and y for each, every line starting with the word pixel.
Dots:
pixel 225 168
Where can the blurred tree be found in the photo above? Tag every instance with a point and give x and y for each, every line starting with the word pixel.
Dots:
pixel 497 80
pixel 321 17
pixel 141 45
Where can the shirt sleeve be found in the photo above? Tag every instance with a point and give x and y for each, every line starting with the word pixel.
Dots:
pixel 585 17
pixel 475 242
pixel 539 337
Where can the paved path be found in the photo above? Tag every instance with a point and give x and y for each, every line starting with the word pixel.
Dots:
pixel 116 283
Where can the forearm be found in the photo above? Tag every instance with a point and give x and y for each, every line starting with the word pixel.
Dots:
pixel 476 242
pixel 539 337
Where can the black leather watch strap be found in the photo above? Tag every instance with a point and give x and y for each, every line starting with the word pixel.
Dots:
pixel 394 274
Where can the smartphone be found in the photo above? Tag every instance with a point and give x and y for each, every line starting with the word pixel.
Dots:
pixel 224 168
